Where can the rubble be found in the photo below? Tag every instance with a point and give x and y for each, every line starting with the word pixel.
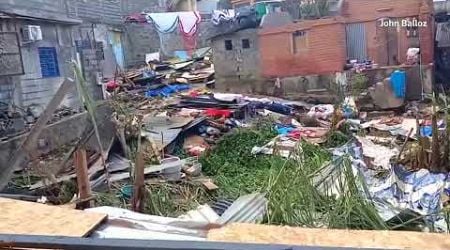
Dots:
pixel 191 159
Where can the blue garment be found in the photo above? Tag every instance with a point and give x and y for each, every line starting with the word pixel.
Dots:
pixel 283 129
pixel 279 108
pixel 426 131
pixel 167 91
pixel 398 83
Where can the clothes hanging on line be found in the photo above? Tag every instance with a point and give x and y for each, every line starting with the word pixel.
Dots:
pixel 220 16
pixel 189 22
pixel 164 22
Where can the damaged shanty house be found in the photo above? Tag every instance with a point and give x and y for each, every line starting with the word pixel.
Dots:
pixel 42 113
pixel 40 40
pixel 374 38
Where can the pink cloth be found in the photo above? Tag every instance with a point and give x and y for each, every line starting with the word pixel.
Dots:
pixel 189 22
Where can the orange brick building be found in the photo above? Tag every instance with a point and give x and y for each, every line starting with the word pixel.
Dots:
pixel 322 46
pixel 304 48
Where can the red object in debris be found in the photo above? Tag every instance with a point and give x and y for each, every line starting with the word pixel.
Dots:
pixel 194 93
pixel 196 150
pixel 111 85
pixel 427 123
pixel 218 113
pixel 297 134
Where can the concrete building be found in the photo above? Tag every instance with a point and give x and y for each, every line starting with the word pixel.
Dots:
pixel 41 37
pixel 236 57
pixel 41 32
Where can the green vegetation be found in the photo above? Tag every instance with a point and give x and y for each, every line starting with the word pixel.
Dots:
pixel 294 197
pixel 358 83
pixel 313 10
pixel 232 166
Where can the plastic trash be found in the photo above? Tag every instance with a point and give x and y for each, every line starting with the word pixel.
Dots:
pixel 398 83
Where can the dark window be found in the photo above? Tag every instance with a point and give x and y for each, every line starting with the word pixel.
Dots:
pixel 299 41
pixel 228 45
pixel 245 43
pixel 49 62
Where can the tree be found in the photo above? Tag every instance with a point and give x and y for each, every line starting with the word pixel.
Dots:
pixel 310 9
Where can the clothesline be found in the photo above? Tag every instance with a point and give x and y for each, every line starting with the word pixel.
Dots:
pixel 168 21
pixel 186 21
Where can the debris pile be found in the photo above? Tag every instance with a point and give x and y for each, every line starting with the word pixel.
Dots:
pixel 186 159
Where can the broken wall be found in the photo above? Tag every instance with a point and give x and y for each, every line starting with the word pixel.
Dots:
pixel 417 78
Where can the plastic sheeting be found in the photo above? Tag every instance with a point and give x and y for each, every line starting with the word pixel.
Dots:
pixel 399 190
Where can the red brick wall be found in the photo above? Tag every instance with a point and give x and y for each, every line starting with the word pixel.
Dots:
pixel 426 35
pixel 325 53
pixel 326 50
pixel 367 10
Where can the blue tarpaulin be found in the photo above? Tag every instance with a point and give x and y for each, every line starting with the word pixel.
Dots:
pixel 167 90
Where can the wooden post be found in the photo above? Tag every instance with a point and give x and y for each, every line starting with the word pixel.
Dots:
pixel 84 187
pixel 139 177
pixel 139 184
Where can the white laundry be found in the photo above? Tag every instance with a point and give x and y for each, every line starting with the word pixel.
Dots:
pixel 219 16
pixel 164 22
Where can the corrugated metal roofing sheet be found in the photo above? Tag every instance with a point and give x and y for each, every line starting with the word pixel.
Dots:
pixel 247 209
pixel 356 41
pixel 125 224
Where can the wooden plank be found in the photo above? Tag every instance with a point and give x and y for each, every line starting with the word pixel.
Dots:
pixel 29 145
pixel 139 184
pixel 21 217
pixel 262 234
pixel 84 187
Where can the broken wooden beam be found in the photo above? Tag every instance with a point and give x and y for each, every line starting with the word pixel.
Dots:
pixel 30 143
pixel 139 178
pixel 84 187
pixel 139 184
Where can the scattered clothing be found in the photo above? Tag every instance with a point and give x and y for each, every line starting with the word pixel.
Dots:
pixel 284 130
pixel 322 111
pixel 218 113
pixel 272 106
pixel 221 16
